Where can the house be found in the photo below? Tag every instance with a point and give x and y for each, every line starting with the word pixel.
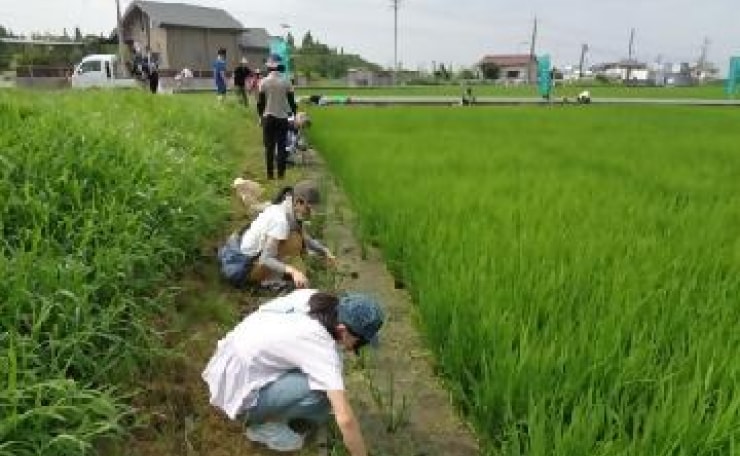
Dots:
pixel 516 68
pixel 254 44
pixel 181 35
pixel 629 71
pixel 360 77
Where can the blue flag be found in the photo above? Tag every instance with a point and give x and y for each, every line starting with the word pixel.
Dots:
pixel 544 76
pixel 733 78
pixel 280 47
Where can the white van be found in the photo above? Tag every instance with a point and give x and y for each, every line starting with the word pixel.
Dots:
pixel 100 70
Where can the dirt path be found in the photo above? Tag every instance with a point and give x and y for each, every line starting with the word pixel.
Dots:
pixel 402 408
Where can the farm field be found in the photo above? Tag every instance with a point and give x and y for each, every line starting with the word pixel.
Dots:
pixel 571 91
pixel 575 268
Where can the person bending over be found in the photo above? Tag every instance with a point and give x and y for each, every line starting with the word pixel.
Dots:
pixel 282 366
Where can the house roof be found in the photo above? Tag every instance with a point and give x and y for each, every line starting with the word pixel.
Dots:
pixel 184 15
pixel 507 60
pixel 255 38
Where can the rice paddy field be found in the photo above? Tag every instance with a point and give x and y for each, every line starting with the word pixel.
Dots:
pixel 712 91
pixel 104 196
pixel 576 269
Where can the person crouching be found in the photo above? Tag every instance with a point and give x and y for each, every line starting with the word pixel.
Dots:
pixel 283 365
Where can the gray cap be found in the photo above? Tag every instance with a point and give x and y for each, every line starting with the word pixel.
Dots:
pixel 362 314
pixel 307 191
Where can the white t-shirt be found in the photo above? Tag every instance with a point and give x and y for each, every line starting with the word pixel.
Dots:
pixel 272 222
pixel 278 337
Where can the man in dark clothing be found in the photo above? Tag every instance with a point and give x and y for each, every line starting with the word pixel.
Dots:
pixel 152 71
pixel 275 105
pixel 241 74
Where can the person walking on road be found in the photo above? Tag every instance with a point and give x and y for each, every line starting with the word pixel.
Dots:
pixel 276 103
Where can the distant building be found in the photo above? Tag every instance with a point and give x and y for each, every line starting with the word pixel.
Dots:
pixel 369 78
pixel 573 73
pixel 254 44
pixel 181 35
pixel 512 68
pixel 628 71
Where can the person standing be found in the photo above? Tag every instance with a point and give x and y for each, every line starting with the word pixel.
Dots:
pixel 276 103
pixel 241 73
pixel 152 71
pixel 283 365
pixel 219 74
pixel 253 83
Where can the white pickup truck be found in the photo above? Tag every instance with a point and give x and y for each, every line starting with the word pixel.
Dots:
pixel 100 70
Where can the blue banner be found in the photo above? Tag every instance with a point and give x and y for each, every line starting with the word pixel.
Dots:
pixel 280 47
pixel 733 78
pixel 544 76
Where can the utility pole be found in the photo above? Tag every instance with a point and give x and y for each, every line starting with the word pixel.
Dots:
pixel 702 64
pixel 584 49
pixel 704 50
pixel 395 4
pixel 532 45
pixel 119 31
pixel 630 53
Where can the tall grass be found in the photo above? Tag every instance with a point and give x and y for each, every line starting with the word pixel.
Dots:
pixel 103 196
pixel 576 269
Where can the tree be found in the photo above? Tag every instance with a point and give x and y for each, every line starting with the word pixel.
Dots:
pixel 490 71
pixel 442 72
pixel 4 49
pixel 290 40
pixel 307 41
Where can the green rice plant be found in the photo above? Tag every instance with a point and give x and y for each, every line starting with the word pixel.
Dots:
pixel 575 267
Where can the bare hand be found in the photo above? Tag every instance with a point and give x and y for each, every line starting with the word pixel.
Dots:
pixel 299 279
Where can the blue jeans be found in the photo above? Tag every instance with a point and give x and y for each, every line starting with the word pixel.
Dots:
pixel 289 398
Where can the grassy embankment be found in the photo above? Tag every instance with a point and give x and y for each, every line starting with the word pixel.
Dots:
pixel 104 199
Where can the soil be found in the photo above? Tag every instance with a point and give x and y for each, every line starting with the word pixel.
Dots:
pixel 402 407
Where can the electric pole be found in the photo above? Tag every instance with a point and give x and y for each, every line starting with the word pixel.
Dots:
pixel 584 49
pixel 630 52
pixel 704 49
pixel 119 31
pixel 395 4
pixel 532 45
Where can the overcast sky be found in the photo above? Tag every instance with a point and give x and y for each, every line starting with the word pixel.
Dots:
pixel 457 32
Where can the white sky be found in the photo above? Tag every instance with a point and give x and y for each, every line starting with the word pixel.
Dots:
pixel 448 31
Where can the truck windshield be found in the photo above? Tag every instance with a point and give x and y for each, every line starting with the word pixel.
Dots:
pixel 90 65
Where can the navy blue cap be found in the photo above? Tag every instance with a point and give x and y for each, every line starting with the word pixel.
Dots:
pixel 362 314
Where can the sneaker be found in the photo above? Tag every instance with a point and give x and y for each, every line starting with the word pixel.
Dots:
pixel 277 436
